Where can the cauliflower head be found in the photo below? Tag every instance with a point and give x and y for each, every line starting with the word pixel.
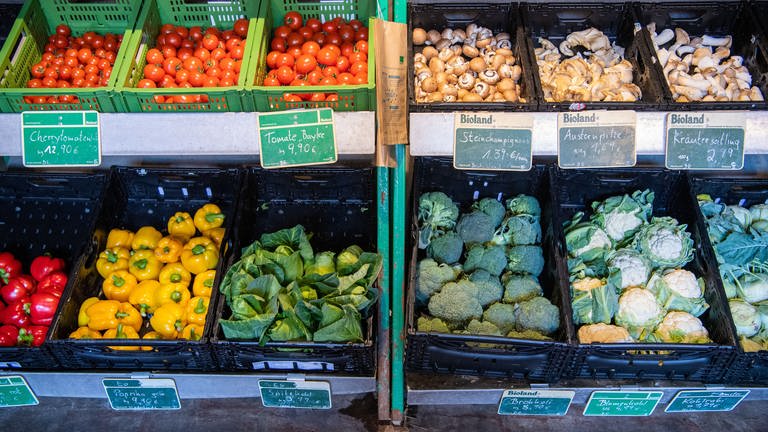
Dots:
pixel 639 312
pixel 630 266
pixel 681 327
pixel 603 333
pixel 665 243
pixel 621 216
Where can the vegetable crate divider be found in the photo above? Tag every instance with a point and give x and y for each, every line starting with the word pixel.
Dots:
pixel 575 190
pixel 760 9
pixel 555 21
pixel 749 367
pixel 136 197
pixel 499 17
pixel 155 13
pixel 337 205
pixel 714 19
pixel 534 360
pixel 358 97
pixel 25 43
pixel 46 212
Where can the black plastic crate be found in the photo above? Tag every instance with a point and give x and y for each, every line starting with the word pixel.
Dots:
pixel 714 19
pixel 497 16
pixel 760 9
pixel 555 21
pixel 45 212
pixel 461 354
pixel 8 14
pixel 749 367
pixel 337 204
pixel 574 191
pixel 137 197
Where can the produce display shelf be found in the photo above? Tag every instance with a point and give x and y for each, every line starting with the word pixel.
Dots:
pixel 188 385
pixel 424 389
pixel 431 134
pixel 195 134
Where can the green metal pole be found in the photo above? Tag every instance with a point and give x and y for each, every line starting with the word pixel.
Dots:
pixel 384 334
pixel 398 284
pixel 398 229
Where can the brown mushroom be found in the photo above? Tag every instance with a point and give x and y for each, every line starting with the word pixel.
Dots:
pixel 419 36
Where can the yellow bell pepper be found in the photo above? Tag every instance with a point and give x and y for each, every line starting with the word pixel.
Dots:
pixel 146 237
pixel 168 249
pixel 122 332
pixel 203 284
pixel 108 314
pixel 111 260
pixel 199 254
pixel 175 273
pixel 153 335
pixel 119 238
pixel 197 309
pixel 85 333
pixel 192 332
pixel 208 216
pixel 172 293
pixel 82 317
pixel 118 285
pixel 182 226
pixel 144 296
pixel 168 320
pixel 144 265
pixel 215 234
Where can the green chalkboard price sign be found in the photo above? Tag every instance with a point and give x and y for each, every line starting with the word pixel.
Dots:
pixel 295 394
pixel 596 139
pixel 705 140
pixel 142 394
pixel 14 392
pixel 297 138
pixel 60 138
pixel 706 400
pixel 622 403
pixel 535 402
pixel 493 141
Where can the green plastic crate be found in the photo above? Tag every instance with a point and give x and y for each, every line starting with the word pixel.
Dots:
pixel 26 41
pixel 361 97
pixel 155 13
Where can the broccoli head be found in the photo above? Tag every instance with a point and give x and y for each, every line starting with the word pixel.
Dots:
pixel 475 227
pixel 523 204
pixel 525 259
pixel 431 276
pixel 501 315
pixel 537 314
pixel 518 230
pixel 492 208
pixel 489 258
pixel 489 288
pixel 456 302
pixel 528 334
pixel 518 288
pixel 446 249
pixel 429 324
pixel 437 215
pixel 476 327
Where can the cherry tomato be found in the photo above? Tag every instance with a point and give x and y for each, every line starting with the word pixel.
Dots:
pixel 173 39
pixel 319 38
pixel 167 28
pixel 218 54
pixel 331 71
pixel 314 77
pixel 172 65
pixel 202 53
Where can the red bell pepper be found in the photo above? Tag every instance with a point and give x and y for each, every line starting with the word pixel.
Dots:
pixel 16 313
pixel 17 287
pixel 9 336
pixel 9 266
pixel 44 265
pixel 53 283
pixel 32 335
pixel 42 308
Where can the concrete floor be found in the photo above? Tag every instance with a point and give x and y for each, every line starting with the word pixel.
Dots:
pixel 352 413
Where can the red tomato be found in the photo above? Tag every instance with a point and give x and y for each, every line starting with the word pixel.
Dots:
pixel 345 78
pixel 241 27
pixel 358 57
pixel 314 77
pixel 333 38
pixel 233 43
pixel 331 71
pixel 332 97
pixel 167 28
pixel 237 52
pixel 362 34
pixel 285 60
pixel 195 33
pixel 362 46
pixel 330 26
pixel 293 39
pixel 319 38
pixel 305 64
pixel 173 39
pixel 285 74
pixel 154 56
pixel 326 81
pixel 343 64
pixel 289 97
pixel 293 20
pixel 210 41
pixel 63 30
pixel 278 44
pixel 172 65
pixel 326 56
pixel 202 53
pixel 272 59
pixel 314 24
pixel 305 32
pixel 295 51
pixel 153 72
pixel 271 81
pixel 310 47
pixel 358 67
pixel 282 31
